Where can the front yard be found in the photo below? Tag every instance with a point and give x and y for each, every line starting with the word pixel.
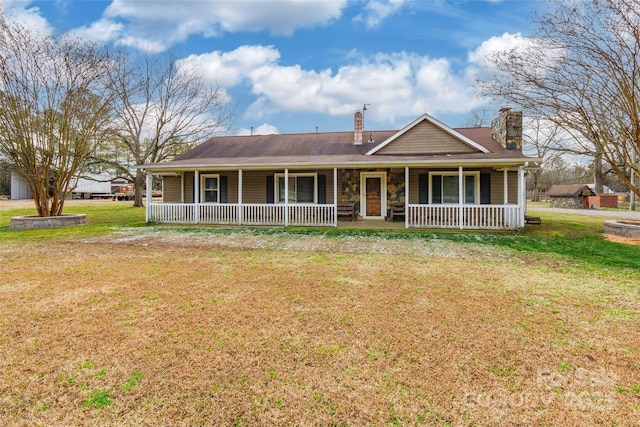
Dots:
pixel 118 323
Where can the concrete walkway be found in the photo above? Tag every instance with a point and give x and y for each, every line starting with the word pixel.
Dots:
pixel 602 213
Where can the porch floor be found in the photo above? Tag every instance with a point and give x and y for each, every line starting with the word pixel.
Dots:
pixel 371 224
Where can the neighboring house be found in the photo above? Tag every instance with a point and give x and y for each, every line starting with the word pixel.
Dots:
pixel 19 189
pixel 573 196
pixel 431 175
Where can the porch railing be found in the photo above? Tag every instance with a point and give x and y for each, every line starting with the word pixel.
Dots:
pixel 243 214
pixel 495 217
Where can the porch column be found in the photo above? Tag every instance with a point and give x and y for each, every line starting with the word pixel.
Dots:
pixel 182 187
pixel 406 197
pixel 240 219
pixel 196 197
pixel 286 197
pixel 522 196
pixel 149 196
pixel 460 197
pixel 505 185
pixel 335 196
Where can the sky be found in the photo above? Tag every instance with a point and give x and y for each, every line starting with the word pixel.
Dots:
pixel 305 66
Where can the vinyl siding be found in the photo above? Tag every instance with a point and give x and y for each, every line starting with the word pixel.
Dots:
pixel 171 189
pixel 425 138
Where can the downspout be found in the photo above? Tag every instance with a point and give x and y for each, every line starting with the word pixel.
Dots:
pixel 196 197
pixel 335 197
pixel 460 197
pixel 406 197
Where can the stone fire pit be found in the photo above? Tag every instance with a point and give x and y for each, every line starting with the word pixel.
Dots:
pixel 32 222
pixel 623 228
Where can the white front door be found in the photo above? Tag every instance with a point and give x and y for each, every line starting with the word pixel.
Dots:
pixel 373 194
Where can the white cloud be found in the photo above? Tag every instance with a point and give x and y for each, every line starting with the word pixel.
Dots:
pixel 21 12
pixel 263 129
pixel 102 30
pixel 375 11
pixel 397 85
pixel 231 68
pixel 158 24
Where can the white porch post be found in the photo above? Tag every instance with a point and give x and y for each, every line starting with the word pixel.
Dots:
pixel 460 197
pixel 522 196
pixel 286 197
pixel 149 196
pixel 335 196
pixel 406 197
pixel 182 187
pixel 506 185
pixel 240 219
pixel 196 198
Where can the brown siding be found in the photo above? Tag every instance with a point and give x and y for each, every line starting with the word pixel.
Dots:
pixel 188 187
pixel 171 189
pixel 425 138
pixel 497 187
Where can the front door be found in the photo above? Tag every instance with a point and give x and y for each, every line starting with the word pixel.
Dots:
pixel 373 195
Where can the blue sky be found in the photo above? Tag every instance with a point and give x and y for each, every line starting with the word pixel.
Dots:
pixel 290 66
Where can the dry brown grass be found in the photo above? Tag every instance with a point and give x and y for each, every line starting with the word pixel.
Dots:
pixel 226 330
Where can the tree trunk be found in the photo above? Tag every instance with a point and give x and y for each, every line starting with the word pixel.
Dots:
pixel 597 172
pixel 139 183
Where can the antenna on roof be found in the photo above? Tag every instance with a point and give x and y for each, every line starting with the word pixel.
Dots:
pixel 364 108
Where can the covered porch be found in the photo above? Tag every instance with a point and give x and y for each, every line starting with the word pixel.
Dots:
pixel 431 210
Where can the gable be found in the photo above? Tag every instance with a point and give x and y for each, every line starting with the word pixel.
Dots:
pixel 426 138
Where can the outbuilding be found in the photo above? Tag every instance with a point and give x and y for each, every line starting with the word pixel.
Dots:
pixel 572 196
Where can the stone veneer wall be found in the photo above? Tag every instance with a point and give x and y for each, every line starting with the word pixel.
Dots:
pixel 566 202
pixel 350 185
pixel 37 222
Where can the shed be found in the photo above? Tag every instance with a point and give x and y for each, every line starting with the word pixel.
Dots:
pixel 573 196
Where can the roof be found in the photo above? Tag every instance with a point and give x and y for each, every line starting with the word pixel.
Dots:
pixel 337 149
pixel 572 190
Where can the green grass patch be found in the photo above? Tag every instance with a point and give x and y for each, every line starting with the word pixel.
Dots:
pixel 98 398
pixel 575 238
pixel 132 381
pixel 102 218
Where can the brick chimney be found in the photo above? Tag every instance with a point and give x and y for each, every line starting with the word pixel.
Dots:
pixel 357 128
pixel 507 129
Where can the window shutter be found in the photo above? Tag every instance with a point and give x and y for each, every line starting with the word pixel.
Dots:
pixel 270 188
pixel 423 188
pixel 322 189
pixel 223 189
pixel 436 190
pixel 485 188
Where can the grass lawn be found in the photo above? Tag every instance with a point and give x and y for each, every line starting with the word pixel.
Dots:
pixel 119 323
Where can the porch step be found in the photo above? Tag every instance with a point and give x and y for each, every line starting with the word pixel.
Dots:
pixel 532 219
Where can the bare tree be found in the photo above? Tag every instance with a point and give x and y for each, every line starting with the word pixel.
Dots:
pixel 582 72
pixel 480 117
pixel 54 109
pixel 161 110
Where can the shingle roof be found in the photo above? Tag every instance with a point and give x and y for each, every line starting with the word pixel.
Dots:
pixel 569 190
pixel 327 148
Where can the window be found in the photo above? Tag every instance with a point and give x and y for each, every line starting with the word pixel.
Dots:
pixel 445 187
pixel 210 188
pixel 302 188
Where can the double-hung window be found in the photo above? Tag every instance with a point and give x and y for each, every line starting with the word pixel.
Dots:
pixel 445 187
pixel 210 188
pixel 302 188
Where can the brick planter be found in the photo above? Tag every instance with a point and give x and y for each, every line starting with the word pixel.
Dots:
pixel 32 222
pixel 622 228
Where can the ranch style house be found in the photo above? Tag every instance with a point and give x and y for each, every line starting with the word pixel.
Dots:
pixel 426 174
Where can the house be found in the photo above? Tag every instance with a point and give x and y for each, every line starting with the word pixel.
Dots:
pixel 428 174
pixel 572 196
